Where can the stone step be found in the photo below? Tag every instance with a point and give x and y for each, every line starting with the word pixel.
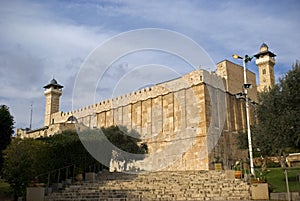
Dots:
pixel 190 185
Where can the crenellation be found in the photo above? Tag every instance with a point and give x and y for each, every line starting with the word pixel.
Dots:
pixel 148 92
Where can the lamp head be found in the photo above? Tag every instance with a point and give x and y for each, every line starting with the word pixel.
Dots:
pixel 235 56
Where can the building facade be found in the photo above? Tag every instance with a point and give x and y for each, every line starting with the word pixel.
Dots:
pixel 187 122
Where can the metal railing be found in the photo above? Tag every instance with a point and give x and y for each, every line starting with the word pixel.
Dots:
pixel 61 177
pixel 56 175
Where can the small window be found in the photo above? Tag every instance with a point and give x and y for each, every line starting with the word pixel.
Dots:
pixel 52 121
pixel 264 71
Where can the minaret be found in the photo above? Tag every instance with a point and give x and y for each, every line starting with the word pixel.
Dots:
pixel 52 92
pixel 265 61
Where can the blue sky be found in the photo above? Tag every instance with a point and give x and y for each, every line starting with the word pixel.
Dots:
pixel 41 39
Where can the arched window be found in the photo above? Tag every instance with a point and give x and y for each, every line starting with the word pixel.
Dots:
pixel 72 119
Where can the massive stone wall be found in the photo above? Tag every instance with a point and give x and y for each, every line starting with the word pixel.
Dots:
pixel 227 146
pixel 166 115
pixel 186 122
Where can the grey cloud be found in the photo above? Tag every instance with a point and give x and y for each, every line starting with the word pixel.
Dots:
pixel 37 42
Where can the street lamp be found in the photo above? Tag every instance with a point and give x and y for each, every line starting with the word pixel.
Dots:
pixel 247 86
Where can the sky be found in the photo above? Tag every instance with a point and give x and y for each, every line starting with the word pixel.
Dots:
pixel 40 40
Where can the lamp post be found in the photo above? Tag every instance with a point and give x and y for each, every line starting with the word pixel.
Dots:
pixel 246 86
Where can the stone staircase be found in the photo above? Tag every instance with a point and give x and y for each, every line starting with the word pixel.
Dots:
pixel 177 185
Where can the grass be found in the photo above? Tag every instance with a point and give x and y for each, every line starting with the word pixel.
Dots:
pixel 5 191
pixel 276 178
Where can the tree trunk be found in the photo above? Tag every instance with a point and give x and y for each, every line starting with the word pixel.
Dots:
pixel 264 164
pixel 282 159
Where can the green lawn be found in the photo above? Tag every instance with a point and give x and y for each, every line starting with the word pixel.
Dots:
pixel 276 178
pixel 5 190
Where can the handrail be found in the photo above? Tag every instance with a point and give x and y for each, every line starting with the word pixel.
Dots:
pixel 54 170
pixel 58 171
pixel 69 169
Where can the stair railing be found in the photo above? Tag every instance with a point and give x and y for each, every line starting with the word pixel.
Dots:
pixel 56 175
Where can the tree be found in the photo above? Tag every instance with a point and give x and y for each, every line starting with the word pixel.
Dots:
pixel 6 130
pixel 290 86
pixel 278 117
pixel 128 141
pixel 124 142
pixel 68 143
pixel 24 159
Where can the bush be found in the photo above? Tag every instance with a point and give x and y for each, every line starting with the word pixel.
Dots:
pixel 28 158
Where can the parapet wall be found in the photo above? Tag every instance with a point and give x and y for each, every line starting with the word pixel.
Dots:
pixel 184 82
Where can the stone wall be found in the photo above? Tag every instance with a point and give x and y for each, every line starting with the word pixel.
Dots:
pixel 46 131
pixel 234 76
pixel 189 120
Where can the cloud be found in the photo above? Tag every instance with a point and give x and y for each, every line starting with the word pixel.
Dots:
pixel 219 27
pixel 19 72
pixel 39 40
pixel 36 46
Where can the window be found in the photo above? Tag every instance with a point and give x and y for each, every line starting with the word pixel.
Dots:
pixel 264 71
